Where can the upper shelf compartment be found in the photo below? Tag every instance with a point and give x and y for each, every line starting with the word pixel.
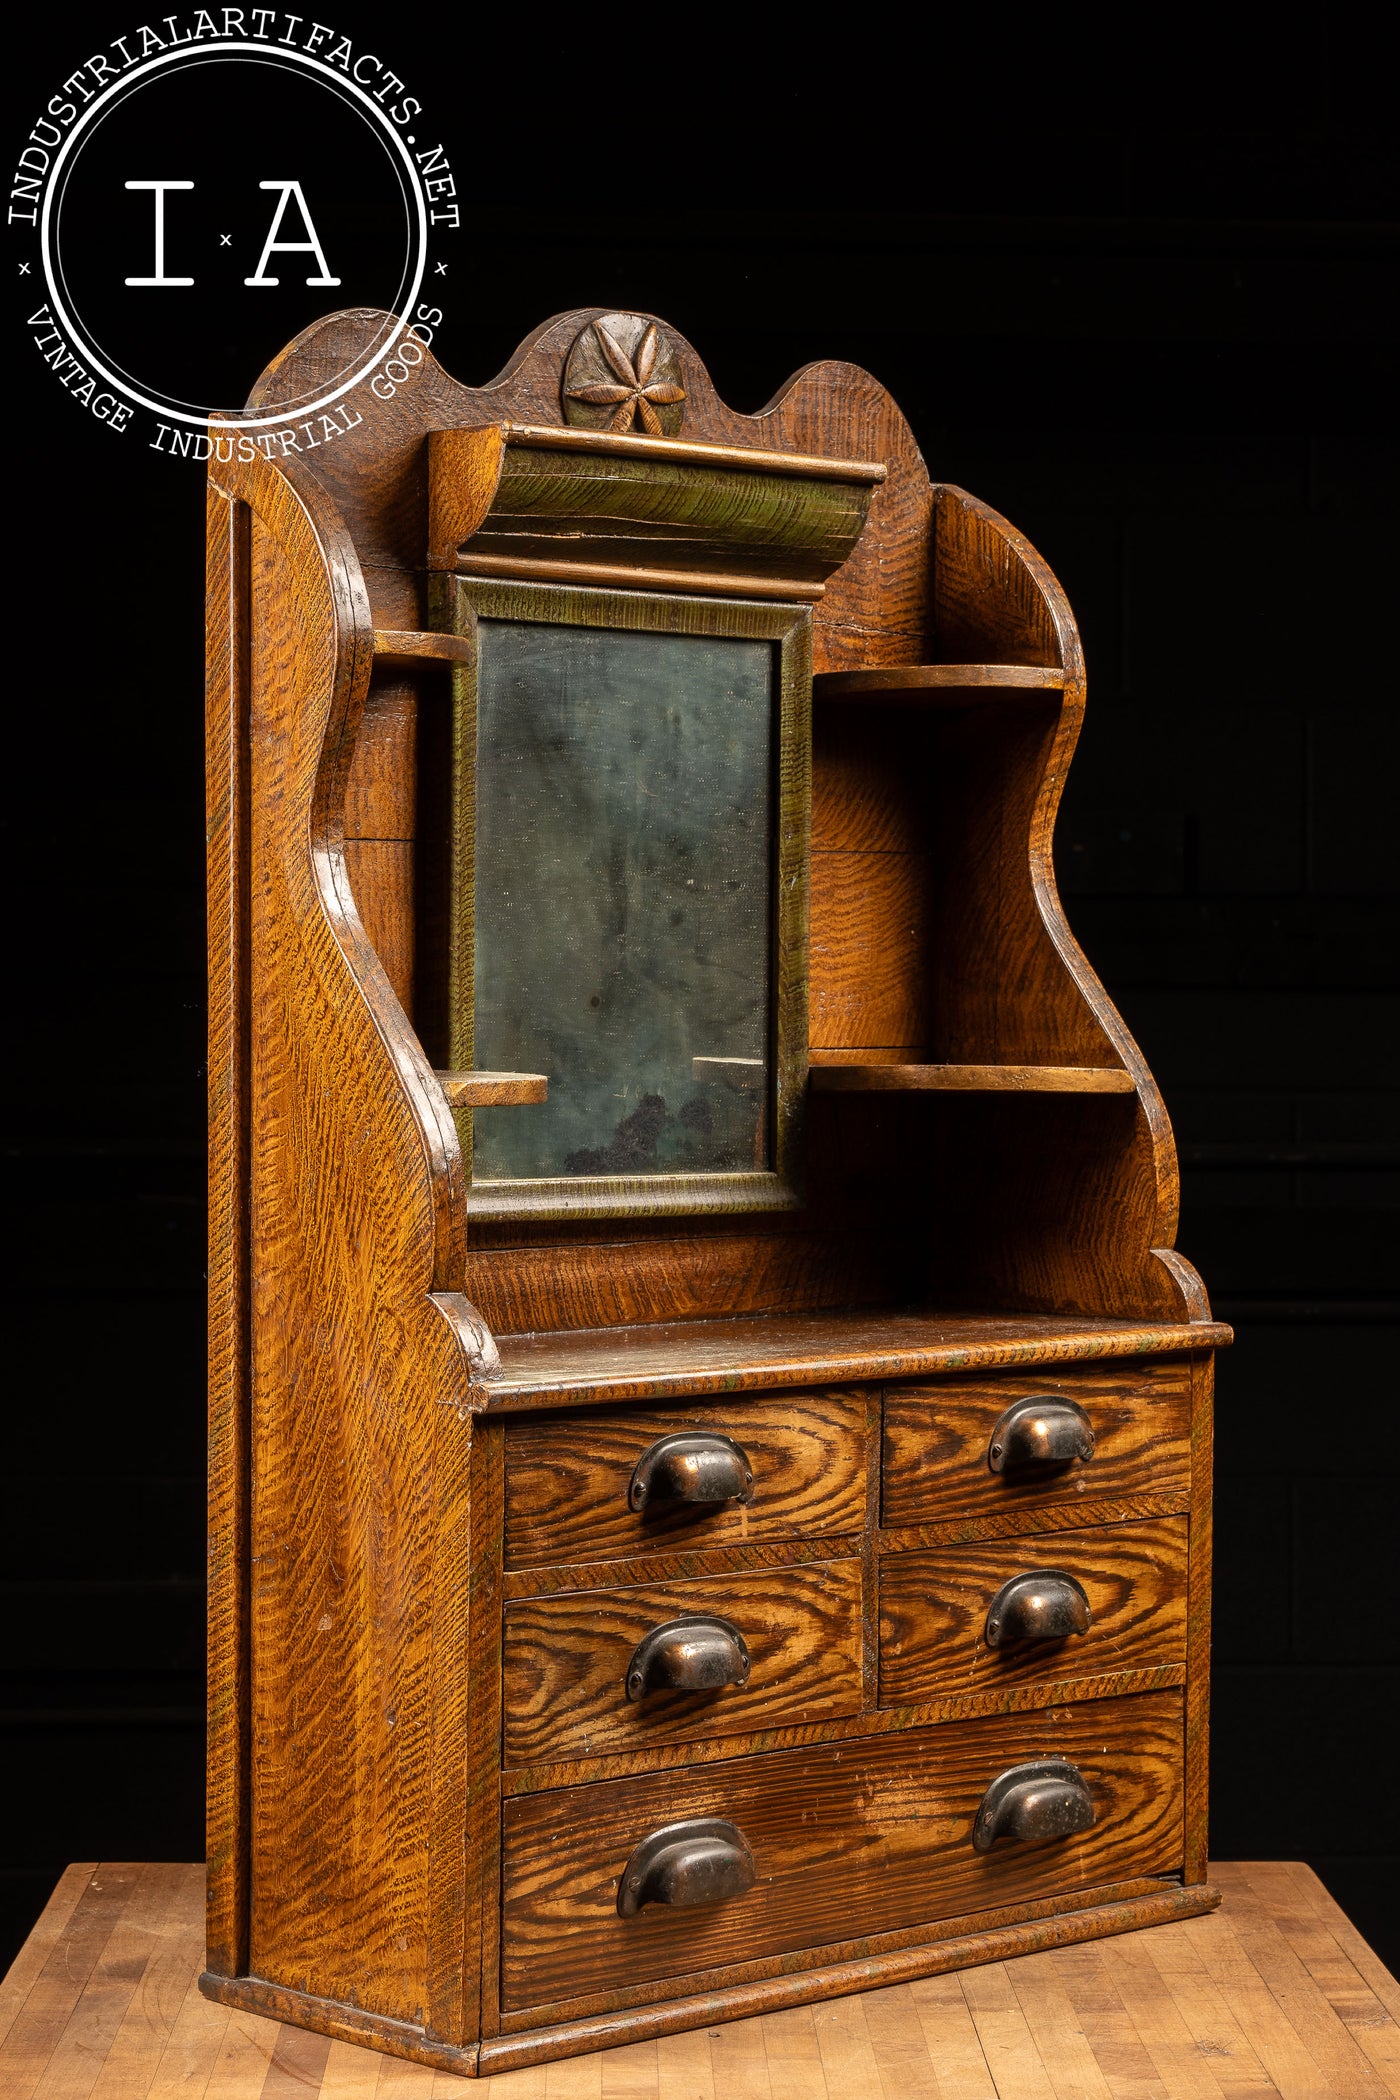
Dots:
pixel 561 505
pixel 938 685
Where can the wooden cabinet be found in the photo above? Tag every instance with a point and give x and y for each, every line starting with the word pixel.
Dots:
pixel 710 1433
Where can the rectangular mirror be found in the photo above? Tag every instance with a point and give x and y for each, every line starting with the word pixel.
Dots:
pixel 629 900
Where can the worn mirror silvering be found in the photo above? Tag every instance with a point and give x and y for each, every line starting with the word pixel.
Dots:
pixel 623 898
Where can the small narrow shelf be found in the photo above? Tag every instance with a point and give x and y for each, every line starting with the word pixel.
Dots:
pixel 403 645
pixel 937 685
pixel 971 1079
pixel 493 1089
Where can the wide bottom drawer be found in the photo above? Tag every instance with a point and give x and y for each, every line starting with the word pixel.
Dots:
pixel 848 1840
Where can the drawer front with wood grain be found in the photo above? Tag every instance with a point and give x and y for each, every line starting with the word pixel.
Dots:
pixel 1047 1609
pixel 592 1673
pixel 845 1840
pixel 570 1477
pixel 938 1466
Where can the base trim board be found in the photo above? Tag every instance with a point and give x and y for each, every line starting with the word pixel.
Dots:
pixel 343 2023
pixel 579 2037
pixel 743 2001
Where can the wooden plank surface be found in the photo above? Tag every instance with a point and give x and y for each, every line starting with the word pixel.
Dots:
pixel 912 681
pixel 686 1357
pixel 883 1077
pixel 493 1089
pixel 1276 1993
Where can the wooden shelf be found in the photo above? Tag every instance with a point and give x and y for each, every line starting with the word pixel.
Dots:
pixel 971 1079
pixel 403 645
pixel 938 685
pixel 677 1359
pixel 493 1089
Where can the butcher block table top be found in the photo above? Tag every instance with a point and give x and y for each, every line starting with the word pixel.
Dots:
pixel 1273 1993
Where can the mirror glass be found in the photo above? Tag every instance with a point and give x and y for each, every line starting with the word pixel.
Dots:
pixel 623 898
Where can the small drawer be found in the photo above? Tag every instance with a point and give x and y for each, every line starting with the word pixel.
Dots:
pixel 1127 1580
pixel 569 1477
pixel 786 1643
pixel 838 1841
pixel 937 1466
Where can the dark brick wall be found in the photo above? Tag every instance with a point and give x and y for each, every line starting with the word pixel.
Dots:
pixel 1160 335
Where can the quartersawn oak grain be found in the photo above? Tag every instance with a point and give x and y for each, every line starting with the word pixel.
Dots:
pixel 226 711
pixel 876 1720
pixel 886 1075
pixel 567 1478
pixel 361 1414
pixel 566 1657
pixel 1198 1615
pixel 843 1844
pixel 357 1334
pixel 933 1610
pixel 937 1438
pixel 493 1089
pixel 688 1357
pixel 871 944
pixel 914 683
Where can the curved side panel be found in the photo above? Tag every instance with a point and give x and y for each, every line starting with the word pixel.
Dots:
pixel 360 1352
pixel 1109 1179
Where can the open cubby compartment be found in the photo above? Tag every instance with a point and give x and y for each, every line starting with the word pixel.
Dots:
pixel 960 1046
pixel 936 937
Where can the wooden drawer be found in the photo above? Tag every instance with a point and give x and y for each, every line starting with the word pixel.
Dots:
pixel 936 1441
pixel 567 1477
pixel 933 1610
pixel 566 1658
pixel 848 1839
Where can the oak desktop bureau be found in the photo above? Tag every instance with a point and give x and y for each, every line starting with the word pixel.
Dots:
pixel 710 1434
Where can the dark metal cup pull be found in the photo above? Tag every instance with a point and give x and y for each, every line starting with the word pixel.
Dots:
pixel 688 1655
pixel 1040 1432
pixel 1032 1803
pixel 706 1860
pixel 1044 1605
pixel 693 1466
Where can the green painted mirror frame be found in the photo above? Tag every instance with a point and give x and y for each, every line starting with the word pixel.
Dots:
pixel 775 1183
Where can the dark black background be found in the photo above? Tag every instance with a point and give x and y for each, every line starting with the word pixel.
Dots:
pixel 1140 298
